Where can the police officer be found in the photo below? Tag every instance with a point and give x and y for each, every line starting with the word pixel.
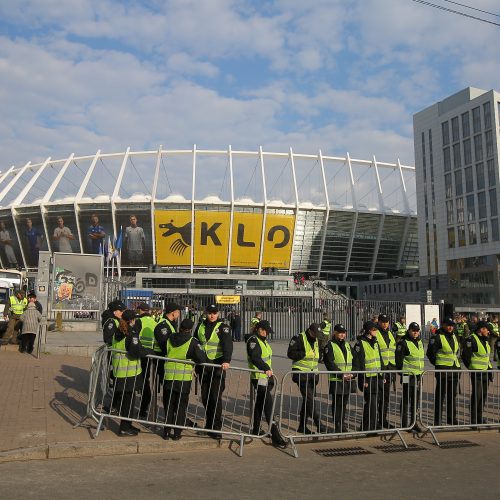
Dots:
pixel 494 334
pixel 163 329
pixel 14 307
pixel 178 376
pixel 259 357
pixel 145 324
pixel 462 329
pixel 476 357
pixel 399 327
pixel 442 352
pixel 253 322
pixel 387 344
pixel 367 357
pixel 324 338
pixel 410 357
pixel 303 350
pixel 126 360
pixel 338 358
pixel 215 338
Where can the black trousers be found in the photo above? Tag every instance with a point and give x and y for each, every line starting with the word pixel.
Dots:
pixel 212 387
pixel 175 404
pixel 124 400
pixel 309 408
pixel 446 388
pixel 146 365
pixel 410 399
pixel 371 395
pixel 340 397
pixel 28 342
pixel 479 383
pixel 263 404
pixel 383 401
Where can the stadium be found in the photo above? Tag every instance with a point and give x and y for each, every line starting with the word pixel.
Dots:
pixel 260 213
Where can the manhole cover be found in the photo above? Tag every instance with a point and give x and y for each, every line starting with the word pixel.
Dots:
pixel 457 444
pixel 342 452
pixel 391 448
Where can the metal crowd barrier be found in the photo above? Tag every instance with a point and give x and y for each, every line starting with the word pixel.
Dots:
pixel 311 406
pixel 216 402
pixel 458 399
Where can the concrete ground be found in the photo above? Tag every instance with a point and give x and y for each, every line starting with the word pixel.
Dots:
pixel 269 474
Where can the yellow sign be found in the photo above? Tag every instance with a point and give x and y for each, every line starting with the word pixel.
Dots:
pixel 227 299
pixel 173 237
pixel 278 241
pixel 211 239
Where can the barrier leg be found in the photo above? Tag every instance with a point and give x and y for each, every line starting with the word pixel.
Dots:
pixel 99 425
pixel 242 442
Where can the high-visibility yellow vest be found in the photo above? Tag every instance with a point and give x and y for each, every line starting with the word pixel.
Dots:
pixel 267 354
pixel 446 356
pixel 328 327
pixel 480 360
pixel 177 370
pixel 124 365
pixel 388 351
pixel 372 359
pixel 147 335
pixel 494 328
pixel 461 329
pixel 17 306
pixel 170 326
pixel 413 363
pixel 401 329
pixel 212 345
pixel 344 363
pixel 310 362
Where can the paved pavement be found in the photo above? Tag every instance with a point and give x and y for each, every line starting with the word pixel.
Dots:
pixel 42 399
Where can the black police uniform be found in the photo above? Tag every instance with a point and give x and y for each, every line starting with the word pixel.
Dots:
pixel 161 332
pixel 375 385
pixel 479 379
pixel 411 383
pixel 446 383
pixel 307 383
pixel 263 398
pixel 383 400
pixel 340 391
pixel 213 380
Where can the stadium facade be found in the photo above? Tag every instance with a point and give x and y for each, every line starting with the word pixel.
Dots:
pixel 216 211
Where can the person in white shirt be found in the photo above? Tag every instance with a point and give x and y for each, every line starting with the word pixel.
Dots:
pixel 63 235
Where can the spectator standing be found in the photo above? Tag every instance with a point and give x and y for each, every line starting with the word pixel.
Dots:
pixel 30 318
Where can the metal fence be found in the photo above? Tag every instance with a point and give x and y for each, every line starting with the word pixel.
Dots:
pixel 212 401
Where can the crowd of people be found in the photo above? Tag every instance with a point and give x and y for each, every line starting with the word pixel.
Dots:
pixel 370 366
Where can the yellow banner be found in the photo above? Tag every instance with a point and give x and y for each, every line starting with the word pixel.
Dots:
pixel 278 241
pixel 245 246
pixel 227 299
pixel 173 237
pixel 211 240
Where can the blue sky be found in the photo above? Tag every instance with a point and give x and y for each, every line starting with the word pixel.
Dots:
pixel 336 75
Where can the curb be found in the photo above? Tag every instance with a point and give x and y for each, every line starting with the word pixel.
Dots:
pixel 106 448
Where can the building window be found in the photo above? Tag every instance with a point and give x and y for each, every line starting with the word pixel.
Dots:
pixel 457 162
pixel 492 178
pixel 467 152
pixel 487 115
pixel 460 210
pixel 447 159
pixel 465 124
pixel 458 183
pixel 494 230
pixel 493 203
pixel 481 204
pixel 445 129
pixel 448 186
pixel 478 147
pixel 449 212
pixel 451 237
pixel 489 144
pixel 461 236
pixel 480 175
pixel 483 231
pixel 472 234
pixel 476 120
pixel 469 180
pixel 471 213
pixel 455 135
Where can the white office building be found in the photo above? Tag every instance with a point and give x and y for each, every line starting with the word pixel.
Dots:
pixel 457 175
